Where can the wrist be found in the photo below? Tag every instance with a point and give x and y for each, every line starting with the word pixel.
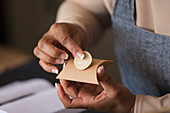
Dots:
pixel 126 101
pixel 133 104
pixel 132 110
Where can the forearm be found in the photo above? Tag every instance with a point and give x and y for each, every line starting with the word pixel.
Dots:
pixel 148 104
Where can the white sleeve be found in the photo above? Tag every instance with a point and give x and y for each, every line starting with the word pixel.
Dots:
pixel 92 16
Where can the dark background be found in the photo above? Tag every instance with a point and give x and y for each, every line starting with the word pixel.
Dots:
pixel 23 22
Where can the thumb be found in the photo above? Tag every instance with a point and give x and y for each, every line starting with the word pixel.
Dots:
pixel 105 80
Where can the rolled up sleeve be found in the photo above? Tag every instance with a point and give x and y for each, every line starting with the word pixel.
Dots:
pixel 91 16
pixel 151 104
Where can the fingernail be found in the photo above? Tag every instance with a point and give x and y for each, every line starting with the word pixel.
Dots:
pixel 64 56
pixel 80 55
pixel 70 97
pixel 100 70
pixel 55 71
pixel 56 85
pixel 64 65
pixel 59 61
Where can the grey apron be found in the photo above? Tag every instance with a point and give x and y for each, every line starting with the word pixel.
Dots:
pixel 143 57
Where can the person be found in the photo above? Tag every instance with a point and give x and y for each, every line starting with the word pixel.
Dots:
pixel 141 46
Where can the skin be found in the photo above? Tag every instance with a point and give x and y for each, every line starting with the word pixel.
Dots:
pixel 107 97
pixel 60 41
pixel 69 39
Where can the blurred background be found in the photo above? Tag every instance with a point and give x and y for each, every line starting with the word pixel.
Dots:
pixel 22 24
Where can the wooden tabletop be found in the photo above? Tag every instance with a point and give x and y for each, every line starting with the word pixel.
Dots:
pixel 10 58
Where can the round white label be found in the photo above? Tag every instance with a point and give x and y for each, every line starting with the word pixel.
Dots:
pixel 84 63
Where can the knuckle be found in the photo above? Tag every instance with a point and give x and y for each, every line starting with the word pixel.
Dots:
pixel 41 43
pixel 40 63
pixel 64 40
pixel 53 27
pixel 54 53
pixel 107 78
pixel 46 34
pixel 43 65
pixel 73 49
pixel 36 51
pixel 50 60
pixel 66 106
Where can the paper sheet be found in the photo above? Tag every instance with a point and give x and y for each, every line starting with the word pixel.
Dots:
pixel 89 75
pixel 21 88
pixel 44 99
pixel 1 111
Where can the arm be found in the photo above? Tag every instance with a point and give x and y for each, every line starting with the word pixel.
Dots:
pixel 109 97
pixel 76 23
pixel 146 104
pixel 91 16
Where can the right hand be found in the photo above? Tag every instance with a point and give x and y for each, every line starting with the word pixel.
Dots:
pixel 107 97
pixel 62 40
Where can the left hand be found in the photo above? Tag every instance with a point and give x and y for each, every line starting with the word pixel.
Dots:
pixel 107 97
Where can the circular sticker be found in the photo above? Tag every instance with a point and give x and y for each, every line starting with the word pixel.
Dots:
pixel 84 63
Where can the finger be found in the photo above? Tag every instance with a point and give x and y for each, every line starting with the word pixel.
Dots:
pixel 48 67
pixel 65 40
pixel 46 58
pixel 69 103
pixel 47 46
pixel 70 87
pixel 105 80
pixel 65 99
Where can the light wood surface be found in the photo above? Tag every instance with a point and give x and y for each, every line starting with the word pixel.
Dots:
pixel 10 58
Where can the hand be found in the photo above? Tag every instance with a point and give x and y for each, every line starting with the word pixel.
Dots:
pixel 58 43
pixel 107 97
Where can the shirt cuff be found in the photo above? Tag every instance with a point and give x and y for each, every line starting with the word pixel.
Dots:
pixel 138 104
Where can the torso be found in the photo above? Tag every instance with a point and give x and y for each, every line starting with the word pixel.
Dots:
pixel 152 15
pixel 143 57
